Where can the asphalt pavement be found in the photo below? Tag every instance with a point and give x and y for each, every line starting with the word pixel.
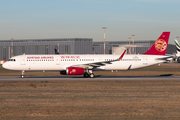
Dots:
pixel 97 78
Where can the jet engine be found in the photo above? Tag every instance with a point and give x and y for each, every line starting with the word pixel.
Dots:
pixel 72 71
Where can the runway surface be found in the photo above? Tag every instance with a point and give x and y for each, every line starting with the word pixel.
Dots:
pixel 97 78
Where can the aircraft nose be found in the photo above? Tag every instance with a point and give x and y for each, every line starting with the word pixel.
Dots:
pixel 4 65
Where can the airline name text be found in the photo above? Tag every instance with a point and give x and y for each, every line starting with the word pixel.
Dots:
pixel 37 57
pixel 70 57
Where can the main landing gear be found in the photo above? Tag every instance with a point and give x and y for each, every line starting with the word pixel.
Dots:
pixel 90 75
pixel 86 75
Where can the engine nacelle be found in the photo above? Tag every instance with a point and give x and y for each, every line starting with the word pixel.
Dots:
pixel 73 71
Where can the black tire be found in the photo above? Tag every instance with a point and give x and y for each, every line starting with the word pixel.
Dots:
pixel 22 76
pixel 86 75
pixel 91 75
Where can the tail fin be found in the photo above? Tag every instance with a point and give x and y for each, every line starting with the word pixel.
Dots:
pixel 56 52
pixel 177 47
pixel 160 46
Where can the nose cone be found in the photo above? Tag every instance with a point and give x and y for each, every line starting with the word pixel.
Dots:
pixel 4 65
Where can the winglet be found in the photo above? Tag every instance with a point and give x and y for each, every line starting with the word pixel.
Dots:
pixel 122 55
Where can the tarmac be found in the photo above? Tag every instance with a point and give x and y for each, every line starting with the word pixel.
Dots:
pixel 97 78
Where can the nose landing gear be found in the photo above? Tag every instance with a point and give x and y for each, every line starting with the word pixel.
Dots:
pixel 22 74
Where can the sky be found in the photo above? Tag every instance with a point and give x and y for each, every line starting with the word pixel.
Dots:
pixel 41 19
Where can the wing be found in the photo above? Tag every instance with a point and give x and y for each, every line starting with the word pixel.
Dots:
pixel 98 64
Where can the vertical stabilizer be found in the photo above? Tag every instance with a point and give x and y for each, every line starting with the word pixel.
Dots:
pixel 56 52
pixel 177 47
pixel 160 46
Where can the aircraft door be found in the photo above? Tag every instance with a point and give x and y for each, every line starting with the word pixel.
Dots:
pixel 58 60
pixel 145 60
pixel 23 60
pixel 100 59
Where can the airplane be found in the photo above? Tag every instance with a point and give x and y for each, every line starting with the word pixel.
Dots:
pixel 177 49
pixel 177 46
pixel 76 64
pixel 2 61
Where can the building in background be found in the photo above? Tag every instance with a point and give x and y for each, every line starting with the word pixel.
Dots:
pixel 72 46
pixel 45 46
pixel 140 47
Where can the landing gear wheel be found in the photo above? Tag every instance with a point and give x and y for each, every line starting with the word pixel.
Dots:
pixel 22 76
pixel 91 75
pixel 86 75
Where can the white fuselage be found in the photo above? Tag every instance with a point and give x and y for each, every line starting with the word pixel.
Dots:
pixel 61 62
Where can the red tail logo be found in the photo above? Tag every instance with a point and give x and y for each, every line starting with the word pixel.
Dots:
pixel 160 46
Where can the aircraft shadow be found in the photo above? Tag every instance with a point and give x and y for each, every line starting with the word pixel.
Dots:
pixel 99 76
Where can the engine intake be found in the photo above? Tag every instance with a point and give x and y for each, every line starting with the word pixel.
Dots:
pixel 63 72
pixel 73 71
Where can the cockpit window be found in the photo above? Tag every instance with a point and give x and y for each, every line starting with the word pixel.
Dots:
pixel 12 60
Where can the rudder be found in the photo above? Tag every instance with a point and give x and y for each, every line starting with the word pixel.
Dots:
pixel 177 45
pixel 160 46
